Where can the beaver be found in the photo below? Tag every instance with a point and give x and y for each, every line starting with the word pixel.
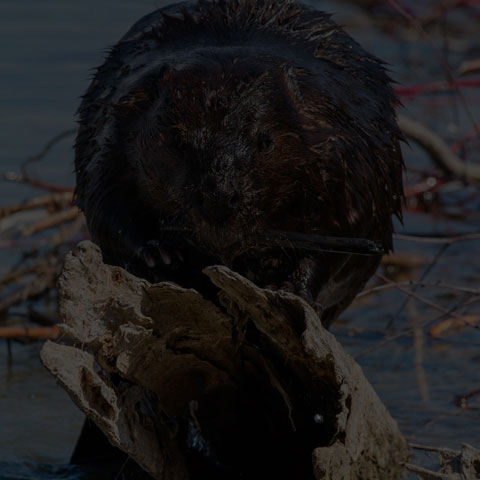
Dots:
pixel 212 123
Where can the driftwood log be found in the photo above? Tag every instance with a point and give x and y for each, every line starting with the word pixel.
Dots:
pixel 251 386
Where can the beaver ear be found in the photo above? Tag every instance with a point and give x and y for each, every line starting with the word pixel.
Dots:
pixel 292 85
pixel 300 92
pixel 143 93
pixel 305 98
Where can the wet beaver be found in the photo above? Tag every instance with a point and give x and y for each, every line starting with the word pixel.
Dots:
pixel 210 124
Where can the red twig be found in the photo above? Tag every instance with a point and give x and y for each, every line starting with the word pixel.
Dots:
pixel 448 72
pixel 473 133
pixel 434 87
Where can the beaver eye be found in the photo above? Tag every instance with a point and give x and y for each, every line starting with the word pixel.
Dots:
pixel 265 143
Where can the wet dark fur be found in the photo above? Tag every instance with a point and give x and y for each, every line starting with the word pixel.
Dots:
pixel 227 118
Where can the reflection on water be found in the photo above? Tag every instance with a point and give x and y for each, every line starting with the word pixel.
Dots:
pixel 38 421
pixel 47 51
pixel 32 471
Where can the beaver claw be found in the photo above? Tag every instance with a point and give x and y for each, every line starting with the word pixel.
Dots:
pixel 156 252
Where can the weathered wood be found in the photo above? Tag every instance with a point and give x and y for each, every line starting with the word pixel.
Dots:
pixel 454 465
pixel 252 385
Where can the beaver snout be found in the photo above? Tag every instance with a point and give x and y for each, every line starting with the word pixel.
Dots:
pixel 217 205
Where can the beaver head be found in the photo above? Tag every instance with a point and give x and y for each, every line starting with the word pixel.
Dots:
pixel 211 122
pixel 230 146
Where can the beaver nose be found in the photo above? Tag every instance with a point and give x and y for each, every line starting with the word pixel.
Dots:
pixel 218 207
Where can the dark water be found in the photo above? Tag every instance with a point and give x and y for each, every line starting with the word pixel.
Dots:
pixel 46 51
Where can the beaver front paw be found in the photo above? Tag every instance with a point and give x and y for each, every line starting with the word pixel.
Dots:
pixel 153 260
pixel 156 253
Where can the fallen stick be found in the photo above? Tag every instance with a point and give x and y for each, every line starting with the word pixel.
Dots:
pixel 21 178
pixel 64 198
pixel 53 220
pixel 26 332
pixel 44 280
pixel 312 242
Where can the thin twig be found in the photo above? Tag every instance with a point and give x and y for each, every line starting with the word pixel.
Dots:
pixel 20 178
pixel 438 240
pixel 461 400
pixel 66 232
pixel 412 91
pixel 439 151
pixel 428 448
pixel 47 147
pixel 426 301
pixel 40 285
pixel 307 241
pixel 408 331
pixel 427 474
pixel 447 286
pixel 50 221
pixel 446 68
pixel 14 275
pixel 422 277
pixel 51 332
pixel 59 198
